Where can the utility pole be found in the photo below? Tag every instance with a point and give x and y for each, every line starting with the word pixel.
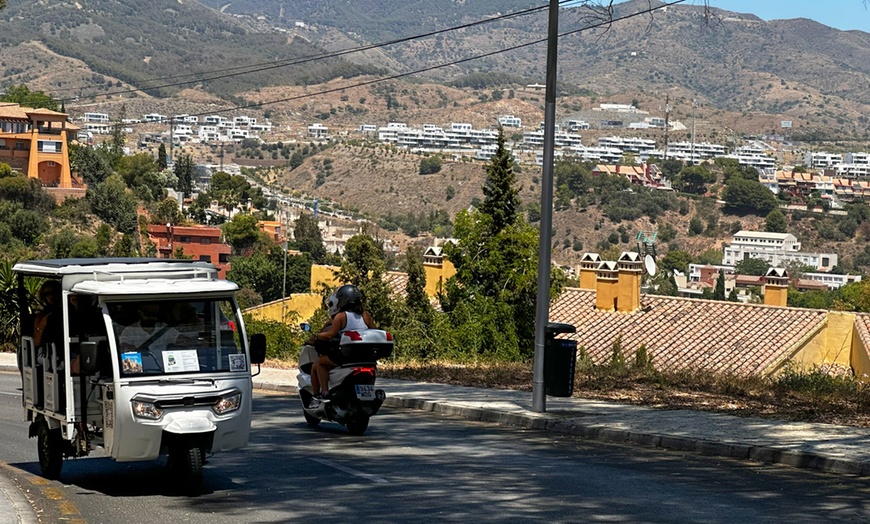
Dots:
pixel 542 310
pixel 171 137
pixel 284 287
pixel 693 132
pixel 667 122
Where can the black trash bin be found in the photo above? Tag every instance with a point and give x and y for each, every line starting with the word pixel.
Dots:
pixel 560 357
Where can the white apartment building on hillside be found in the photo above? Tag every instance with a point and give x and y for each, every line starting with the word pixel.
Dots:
pixel 778 249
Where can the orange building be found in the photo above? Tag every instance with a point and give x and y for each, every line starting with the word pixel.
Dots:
pixel 274 229
pixel 200 242
pixel 36 143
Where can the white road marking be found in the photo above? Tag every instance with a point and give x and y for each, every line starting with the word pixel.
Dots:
pixel 10 394
pixel 351 471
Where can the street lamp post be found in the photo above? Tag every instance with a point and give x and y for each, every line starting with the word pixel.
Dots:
pixel 284 285
pixel 542 312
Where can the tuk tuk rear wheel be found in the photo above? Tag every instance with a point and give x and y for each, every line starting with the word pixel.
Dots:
pixel 50 449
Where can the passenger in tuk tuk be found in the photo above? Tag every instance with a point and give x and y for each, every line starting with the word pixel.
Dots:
pixel 48 323
pixel 148 335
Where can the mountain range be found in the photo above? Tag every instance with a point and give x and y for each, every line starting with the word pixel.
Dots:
pixel 799 70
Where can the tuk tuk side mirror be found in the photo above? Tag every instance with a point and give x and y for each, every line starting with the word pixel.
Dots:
pixel 258 348
pixel 88 358
pixel 305 326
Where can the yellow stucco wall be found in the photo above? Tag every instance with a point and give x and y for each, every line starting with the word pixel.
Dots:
pixel 436 275
pixel 628 290
pixel 587 278
pixel 860 358
pixel 832 344
pixel 323 275
pixel 776 295
pixel 304 304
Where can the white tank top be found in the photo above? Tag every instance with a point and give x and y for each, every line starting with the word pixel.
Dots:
pixel 355 322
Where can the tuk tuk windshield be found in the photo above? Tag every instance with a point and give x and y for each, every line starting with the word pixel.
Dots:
pixel 157 337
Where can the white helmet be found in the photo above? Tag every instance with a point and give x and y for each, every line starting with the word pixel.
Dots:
pixel 332 305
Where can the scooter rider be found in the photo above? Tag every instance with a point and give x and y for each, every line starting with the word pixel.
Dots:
pixel 350 315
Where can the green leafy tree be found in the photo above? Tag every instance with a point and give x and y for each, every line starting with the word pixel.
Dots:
pixel 126 247
pixel 92 164
pixel 185 171
pixel 28 226
pixel 263 273
pixel 167 212
pixel 364 266
pixel 140 173
pixel 161 157
pixel 308 238
pixel 719 292
pixel 115 145
pixel 752 266
pixel 113 204
pixel 430 165
pixel 415 290
pixel 501 196
pixel 748 195
pixel 244 235
pixel 23 96
pixel 694 179
pixel 775 222
pixel 495 257
pixel 676 259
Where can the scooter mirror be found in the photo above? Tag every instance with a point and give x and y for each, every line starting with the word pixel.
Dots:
pixel 305 326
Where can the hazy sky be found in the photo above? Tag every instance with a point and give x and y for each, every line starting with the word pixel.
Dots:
pixel 842 14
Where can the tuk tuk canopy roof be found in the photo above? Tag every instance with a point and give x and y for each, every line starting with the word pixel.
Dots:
pixel 83 266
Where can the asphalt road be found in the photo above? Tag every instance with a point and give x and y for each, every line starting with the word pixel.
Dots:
pixel 420 466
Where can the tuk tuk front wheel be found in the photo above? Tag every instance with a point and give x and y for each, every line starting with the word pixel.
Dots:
pixel 186 462
pixel 50 448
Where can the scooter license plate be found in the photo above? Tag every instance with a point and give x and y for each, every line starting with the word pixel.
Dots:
pixel 365 392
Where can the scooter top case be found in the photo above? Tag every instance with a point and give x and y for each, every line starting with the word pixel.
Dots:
pixel 365 345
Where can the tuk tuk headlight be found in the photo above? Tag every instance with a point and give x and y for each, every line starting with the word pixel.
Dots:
pixel 146 410
pixel 228 403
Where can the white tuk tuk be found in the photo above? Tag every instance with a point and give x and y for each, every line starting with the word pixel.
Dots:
pixel 143 357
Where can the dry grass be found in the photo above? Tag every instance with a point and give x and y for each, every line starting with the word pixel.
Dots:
pixel 809 397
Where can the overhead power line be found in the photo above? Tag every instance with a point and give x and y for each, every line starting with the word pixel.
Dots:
pixel 265 66
pixel 590 27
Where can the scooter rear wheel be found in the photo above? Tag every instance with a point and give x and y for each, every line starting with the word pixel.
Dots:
pixel 358 425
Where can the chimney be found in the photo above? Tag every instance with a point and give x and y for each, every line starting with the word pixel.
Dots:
pixel 588 267
pixel 607 286
pixel 776 287
pixel 630 270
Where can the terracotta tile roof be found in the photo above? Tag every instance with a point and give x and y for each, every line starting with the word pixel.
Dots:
pixel 45 112
pixel 397 281
pixel 683 333
pixel 10 110
pixel 862 327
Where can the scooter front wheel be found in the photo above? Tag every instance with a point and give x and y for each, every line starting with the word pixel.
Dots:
pixel 310 419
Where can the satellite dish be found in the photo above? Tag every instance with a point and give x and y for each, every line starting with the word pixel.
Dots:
pixel 649 264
